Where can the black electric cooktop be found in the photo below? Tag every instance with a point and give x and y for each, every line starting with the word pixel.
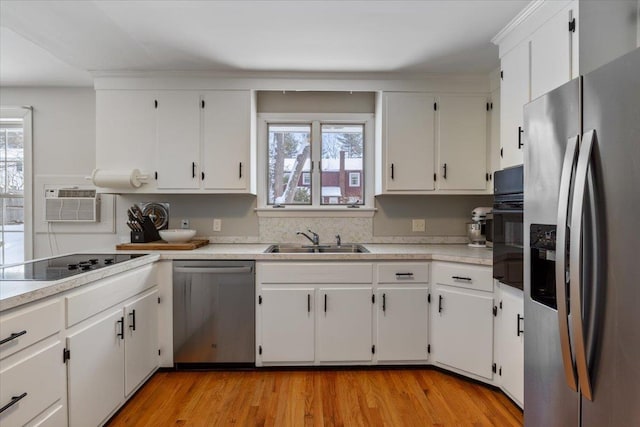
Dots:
pixel 62 267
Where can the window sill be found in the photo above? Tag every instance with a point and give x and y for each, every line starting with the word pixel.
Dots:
pixel 314 212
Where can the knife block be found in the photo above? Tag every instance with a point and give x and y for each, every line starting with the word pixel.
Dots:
pixel 148 233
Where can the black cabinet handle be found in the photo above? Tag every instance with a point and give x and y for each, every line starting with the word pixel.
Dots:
pixel 132 326
pixel 445 171
pixel 519 331
pixel 440 303
pixel 466 279
pixel 520 143
pixel 13 336
pixel 14 400
pixel 202 174
pixel 392 171
pixel 399 275
pixel 240 170
pixel 308 303
pixel 193 169
pixel 121 333
pixel 325 303
pixel 384 303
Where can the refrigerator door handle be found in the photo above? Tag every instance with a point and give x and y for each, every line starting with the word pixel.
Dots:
pixel 570 156
pixel 575 263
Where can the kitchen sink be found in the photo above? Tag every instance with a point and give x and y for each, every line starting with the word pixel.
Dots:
pixel 320 249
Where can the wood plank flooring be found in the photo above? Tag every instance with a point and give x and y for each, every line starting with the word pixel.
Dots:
pixel 358 397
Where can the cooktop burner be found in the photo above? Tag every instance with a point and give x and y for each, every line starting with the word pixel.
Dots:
pixel 62 267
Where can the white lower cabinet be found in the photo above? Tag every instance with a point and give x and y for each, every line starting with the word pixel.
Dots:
pixel 109 356
pixel 344 324
pixel 510 341
pixel 95 369
pixel 462 319
pixel 287 317
pixel 402 319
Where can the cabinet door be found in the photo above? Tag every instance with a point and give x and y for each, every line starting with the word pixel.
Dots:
pixel 141 343
pixel 408 132
pixel 344 324
pixel 493 159
pixel 403 316
pixel 514 93
pixel 125 130
pixel 462 142
pixel 511 348
pixel 226 140
pixel 463 330
pixel 551 53
pixel 178 146
pixel 287 321
pixel 96 370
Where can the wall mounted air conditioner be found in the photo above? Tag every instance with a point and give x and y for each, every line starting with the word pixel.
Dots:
pixel 71 205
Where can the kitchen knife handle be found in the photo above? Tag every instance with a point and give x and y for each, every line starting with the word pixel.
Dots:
pixel 570 155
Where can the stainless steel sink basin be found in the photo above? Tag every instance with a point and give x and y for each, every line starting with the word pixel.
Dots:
pixel 320 249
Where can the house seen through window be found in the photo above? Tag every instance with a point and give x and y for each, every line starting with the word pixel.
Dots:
pixel 299 166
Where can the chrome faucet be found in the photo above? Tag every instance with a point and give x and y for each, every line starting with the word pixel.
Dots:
pixel 315 239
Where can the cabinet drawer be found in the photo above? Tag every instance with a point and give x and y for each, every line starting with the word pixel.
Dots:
pixel 40 376
pixel 314 272
pixel 29 325
pixel 107 293
pixel 403 272
pixel 463 276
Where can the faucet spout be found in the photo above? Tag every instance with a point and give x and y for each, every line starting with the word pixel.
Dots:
pixel 315 239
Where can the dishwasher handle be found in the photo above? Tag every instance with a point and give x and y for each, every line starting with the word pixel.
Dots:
pixel 213 270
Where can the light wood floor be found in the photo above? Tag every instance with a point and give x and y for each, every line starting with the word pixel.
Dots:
pixel 384 397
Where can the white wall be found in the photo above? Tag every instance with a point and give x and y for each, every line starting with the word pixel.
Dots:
pixel 63 153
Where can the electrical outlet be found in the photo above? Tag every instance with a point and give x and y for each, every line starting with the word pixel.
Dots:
pixel 418 225
pixel 217 224
pixel 184 223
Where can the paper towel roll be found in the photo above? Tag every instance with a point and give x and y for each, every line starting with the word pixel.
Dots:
pixel 117 179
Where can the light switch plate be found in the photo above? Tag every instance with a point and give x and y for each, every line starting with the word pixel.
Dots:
pixel 217 224
pixel 184 223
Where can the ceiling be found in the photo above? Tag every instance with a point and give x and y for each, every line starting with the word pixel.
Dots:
pixel 61 43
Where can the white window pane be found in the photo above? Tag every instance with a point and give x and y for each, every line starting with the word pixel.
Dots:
pixel 289 163
pixel 342 159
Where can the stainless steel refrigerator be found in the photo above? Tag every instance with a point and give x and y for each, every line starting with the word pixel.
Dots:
pixel 582 250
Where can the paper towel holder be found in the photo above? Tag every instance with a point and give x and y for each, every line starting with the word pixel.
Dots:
pixel 130 179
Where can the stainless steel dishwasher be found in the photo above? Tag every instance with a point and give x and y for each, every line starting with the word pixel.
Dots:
pixel 213 313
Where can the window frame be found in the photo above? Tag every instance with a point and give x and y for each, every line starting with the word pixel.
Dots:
pixel 316 120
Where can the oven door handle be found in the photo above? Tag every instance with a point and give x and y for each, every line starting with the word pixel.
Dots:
pixel 506 211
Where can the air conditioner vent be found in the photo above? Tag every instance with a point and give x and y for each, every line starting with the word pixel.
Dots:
pixel 72 205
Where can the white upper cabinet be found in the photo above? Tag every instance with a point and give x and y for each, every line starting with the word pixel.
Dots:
pixel 493 152
pixel 125 130
pixel 178 146
pixel 408 142
pixel 186 141
pixel 422 131
pixel 226 135
pixel 462 141
pixel 552 49
pixel 514 93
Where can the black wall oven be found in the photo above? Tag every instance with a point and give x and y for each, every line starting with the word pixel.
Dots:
pixel 507 227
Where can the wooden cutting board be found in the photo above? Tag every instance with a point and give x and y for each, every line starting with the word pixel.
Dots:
pixel 162 245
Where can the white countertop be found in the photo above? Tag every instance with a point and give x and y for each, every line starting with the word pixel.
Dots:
pixel 15 293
